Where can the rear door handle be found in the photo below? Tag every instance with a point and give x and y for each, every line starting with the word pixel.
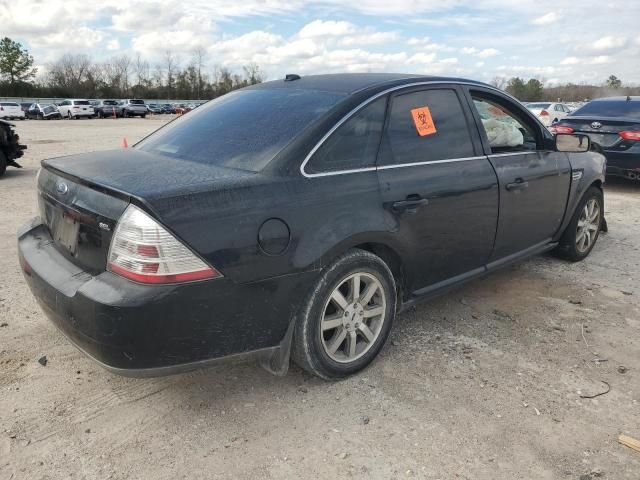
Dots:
pixel 412 203
pixel 519 184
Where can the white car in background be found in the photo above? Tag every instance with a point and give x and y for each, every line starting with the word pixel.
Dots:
pixel 548 112
pixel 76 108
pixel 11 110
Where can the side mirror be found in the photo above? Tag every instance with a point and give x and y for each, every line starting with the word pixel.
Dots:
pixel 574 143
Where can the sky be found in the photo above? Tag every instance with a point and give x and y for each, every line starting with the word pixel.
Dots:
pixel 556 41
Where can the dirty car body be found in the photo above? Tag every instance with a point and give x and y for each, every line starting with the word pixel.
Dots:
pixel 264 187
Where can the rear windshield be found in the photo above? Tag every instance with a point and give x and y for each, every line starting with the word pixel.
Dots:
pixel 110 102
pixel 48 108
pixel 244 129
pixel 9 104
pixel 613 108
pixel 81 102
pixel 136 102
pixel 538 105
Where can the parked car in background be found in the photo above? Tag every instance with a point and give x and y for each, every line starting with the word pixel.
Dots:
pixel 76 108
pixel 25 106
pixel 108 108
pixel 153 108
pixel 37 111
pixel 549 113
pixel 181 108
pixel 10 147
pixel 168 108
pixel 361 195
pixel 134 108
pixel 614 124
pixel 11 111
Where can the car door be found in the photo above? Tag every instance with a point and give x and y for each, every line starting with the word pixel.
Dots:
pixel 439 191
pixel 534 178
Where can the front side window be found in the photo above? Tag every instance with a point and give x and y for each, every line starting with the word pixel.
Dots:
pixel 506 131
pixel 354 144
pixel 426 126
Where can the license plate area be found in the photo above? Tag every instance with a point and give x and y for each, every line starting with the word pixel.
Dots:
pixel 66 234
pixel 603 139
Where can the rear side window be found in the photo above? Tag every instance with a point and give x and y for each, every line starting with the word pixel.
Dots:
pixel 244 129
pixel 538 105
pixel 610 108
pixel 354 144
pixel 426 126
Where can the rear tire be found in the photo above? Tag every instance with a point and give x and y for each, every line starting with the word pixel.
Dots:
pixel 3 163
pixel 345 320
pixel 583 231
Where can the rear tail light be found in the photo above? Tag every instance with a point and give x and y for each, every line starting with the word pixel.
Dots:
pixel 144 251
pixel 561 130
pixel 544 113
pixel 630 135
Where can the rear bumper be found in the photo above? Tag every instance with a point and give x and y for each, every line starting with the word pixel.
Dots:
pixel 623 163
pixel 143 330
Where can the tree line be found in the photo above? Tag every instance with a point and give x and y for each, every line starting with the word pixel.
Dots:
pixel 188 77
pixel 534 90
pixel 121 76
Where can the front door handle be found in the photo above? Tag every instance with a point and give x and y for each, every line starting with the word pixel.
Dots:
pixel 519 184
pixel 411 204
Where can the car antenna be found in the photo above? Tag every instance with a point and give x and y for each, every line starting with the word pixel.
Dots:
pixel 290 77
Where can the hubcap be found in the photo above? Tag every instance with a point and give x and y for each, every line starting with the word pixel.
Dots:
pixel 353 317
pixel 588 225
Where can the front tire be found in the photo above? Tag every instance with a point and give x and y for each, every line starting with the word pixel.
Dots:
pixel 582 232
pixel 3 163
pixel 346 318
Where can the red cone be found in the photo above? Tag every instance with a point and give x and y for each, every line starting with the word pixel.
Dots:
pixel 125 144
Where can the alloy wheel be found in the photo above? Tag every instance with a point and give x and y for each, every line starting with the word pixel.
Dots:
pixel 588 225
pixel 353 317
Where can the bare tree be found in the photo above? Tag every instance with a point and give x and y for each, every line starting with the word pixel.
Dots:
pixel 253 74
pixel 141 68
pixel 171 66
pixel 199 54
pixel 499 82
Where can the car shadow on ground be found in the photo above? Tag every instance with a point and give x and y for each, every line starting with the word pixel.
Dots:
pixel 622 185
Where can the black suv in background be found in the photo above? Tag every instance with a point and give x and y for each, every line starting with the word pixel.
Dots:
pixel 614 124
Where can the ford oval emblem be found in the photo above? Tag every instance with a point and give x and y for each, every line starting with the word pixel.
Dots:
pixel 596 125
pixel 62 188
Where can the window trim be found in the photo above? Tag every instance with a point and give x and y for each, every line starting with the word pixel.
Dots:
pixel 355 110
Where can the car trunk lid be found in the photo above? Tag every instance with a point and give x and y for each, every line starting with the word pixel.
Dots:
pixel 602 130
pixel 81 197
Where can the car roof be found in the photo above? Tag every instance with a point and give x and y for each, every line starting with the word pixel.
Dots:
pixel 633 98
pixel 350 83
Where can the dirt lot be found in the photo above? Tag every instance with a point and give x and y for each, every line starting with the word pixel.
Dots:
pixel 483 383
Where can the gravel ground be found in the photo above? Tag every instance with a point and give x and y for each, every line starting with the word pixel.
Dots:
pixel 483 383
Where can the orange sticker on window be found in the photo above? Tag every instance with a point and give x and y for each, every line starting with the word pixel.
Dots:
pixel 423 121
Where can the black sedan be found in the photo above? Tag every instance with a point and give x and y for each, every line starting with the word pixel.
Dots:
pixel 300 216
pixel 614 124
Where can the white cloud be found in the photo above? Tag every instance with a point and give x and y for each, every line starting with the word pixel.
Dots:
pixel 425 43
pixel 422 57
pixel 570 61
pixel 469 50
pixel 488 52
pixel 113 44
pixel 372 38
pixel 600 60
pixel 609 43
pixel 83 39
pixel 548 19
pixel 319 28
pixel 479 64
pixel 154 44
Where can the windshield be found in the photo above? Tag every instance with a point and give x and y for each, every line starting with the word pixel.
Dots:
pixel 610 108
pixel 538 105
pixel 136 102
pixel 244 129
